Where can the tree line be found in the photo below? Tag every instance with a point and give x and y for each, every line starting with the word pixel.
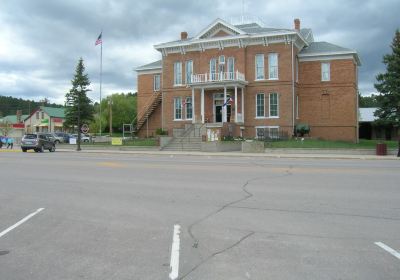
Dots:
pixel 10 105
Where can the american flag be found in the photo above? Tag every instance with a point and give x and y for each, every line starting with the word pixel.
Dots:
pixel 228 101
pixel 98 41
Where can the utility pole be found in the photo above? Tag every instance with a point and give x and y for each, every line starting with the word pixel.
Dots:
pixel 110 104
pixel 79 123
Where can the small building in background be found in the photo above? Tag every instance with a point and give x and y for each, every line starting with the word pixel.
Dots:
pixel 45 119
pixel 13 125
pixel 370 130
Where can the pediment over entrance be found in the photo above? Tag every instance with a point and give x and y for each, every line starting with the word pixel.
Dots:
pixel 219 28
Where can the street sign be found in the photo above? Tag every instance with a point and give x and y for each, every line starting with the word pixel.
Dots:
pixel 116 141
pixel 85 128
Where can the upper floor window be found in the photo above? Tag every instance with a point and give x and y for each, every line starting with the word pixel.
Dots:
pixel 221 64
pixel 42 115
pixel 178 108
pixel 37 115
pixel 177 73
pixel 273 105
pixel 189 71
pixel 213 68
pixel 260 105
pixel 325 71
pixel 273 66
pixel 231 67
pixel 259 66
pixel 157 82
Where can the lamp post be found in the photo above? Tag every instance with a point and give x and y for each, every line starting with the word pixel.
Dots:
pixel 110 106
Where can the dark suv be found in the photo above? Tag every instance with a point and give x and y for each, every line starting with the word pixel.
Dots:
pixel 37 142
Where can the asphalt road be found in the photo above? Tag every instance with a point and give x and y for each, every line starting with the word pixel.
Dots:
pixel 111 216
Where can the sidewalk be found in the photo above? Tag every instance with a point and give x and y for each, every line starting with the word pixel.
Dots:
pixel 281 153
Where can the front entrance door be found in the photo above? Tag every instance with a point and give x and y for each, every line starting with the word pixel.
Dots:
pixel 218 113
pixel 219 106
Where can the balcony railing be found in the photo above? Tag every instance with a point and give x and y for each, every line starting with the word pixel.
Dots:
pixel 217 77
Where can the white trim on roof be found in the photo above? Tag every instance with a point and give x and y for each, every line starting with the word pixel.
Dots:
pixel 149 71
pixel 330 56
pixel 215 23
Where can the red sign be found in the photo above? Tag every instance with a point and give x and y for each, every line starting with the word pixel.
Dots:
pixel 18 125
pixel 57 120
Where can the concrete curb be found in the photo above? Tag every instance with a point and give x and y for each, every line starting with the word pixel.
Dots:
pixel 238 154
pixel 273 154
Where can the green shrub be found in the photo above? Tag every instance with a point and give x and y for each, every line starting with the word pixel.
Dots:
pixel 160 131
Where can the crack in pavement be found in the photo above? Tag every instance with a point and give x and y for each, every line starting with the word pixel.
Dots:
pixel 230 204
pixel 217 253
pixel 315 213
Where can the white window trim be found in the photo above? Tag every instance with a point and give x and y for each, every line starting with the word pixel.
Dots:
pixel 260 117
pixel 180 63
pixel 255 67
pixel 186 118
pixel 266 126
pixel 269 67
pixel 322 71
pixel 186 63
pixel 175 119
pixel 269 106
pixel 297 107
pixel 154 82
pixel 232 59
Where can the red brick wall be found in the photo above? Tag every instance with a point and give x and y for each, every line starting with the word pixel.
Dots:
pixel 144 97
pixel 329 107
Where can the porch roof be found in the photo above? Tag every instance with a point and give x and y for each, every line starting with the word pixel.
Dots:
pixel 218 84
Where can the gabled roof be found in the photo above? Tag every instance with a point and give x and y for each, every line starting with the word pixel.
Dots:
pixel 54 112
pixel 13 118
pixel 154 65
pixel 217 25
pixel 327 49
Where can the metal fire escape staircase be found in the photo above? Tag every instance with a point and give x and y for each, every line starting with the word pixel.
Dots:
pixel 148 110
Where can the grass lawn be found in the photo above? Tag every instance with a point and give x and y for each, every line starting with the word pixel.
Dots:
pixel 325 144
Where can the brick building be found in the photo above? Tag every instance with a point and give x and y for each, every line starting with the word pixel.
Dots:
pixel 248 80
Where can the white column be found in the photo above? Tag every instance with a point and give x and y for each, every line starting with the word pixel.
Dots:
pixel 236 104
pixel 202 105
pixel 193 108
pixel 243 104
pixel 224 119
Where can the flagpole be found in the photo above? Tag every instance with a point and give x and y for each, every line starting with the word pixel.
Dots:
pixel 101 73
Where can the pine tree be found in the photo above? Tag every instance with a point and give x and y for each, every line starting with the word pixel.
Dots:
pixel 388 84
pixel 79 108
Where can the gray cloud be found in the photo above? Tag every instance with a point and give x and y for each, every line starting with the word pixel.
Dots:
pixel 42 40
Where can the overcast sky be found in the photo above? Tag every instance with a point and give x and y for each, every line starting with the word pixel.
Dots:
pixel 42 40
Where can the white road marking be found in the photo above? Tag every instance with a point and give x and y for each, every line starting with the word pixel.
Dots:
pixel 4 232
pixel 388 249
pixel 174 264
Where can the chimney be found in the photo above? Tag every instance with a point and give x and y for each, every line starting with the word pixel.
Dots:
pixel 184 35
pixel 297 24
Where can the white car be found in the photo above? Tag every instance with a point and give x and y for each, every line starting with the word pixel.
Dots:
pixel 84 137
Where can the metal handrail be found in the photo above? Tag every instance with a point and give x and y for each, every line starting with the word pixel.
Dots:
pixel 147 106
pixel 192 127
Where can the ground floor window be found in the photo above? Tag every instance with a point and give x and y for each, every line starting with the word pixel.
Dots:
pixel 273 105
pixel 178 108
pixel 189 108
pixel 267 132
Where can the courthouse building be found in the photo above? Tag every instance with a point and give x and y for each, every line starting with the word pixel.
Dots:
pixel 249 80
